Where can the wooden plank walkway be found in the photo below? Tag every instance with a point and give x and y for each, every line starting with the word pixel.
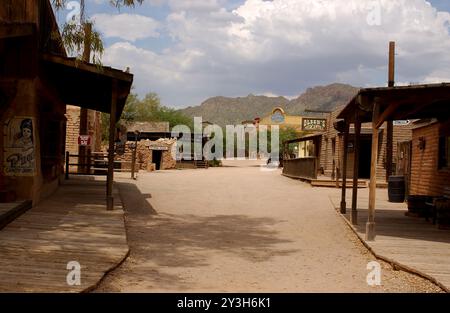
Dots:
pixel 412 242
pixel 71 225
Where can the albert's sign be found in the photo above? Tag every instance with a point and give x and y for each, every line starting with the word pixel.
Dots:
pixel 314 124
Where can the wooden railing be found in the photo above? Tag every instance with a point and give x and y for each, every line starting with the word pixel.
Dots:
pixel 94 163
pixel 305 168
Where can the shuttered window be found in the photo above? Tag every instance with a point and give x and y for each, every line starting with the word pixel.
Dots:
pixel 444 152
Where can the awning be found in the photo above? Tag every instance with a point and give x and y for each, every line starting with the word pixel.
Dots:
pixel 86 85
pixel 400 103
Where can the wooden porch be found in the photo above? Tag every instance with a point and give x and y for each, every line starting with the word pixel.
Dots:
pixel 409 243
pixel 71 225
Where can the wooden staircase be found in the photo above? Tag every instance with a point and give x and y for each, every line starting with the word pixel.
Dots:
pixel 201 164
pixel 332 183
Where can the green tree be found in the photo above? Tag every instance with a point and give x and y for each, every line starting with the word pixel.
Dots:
pixel 74 35
pixel 149 109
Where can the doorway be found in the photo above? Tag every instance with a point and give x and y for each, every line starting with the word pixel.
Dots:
pixel 365 152
pixel 157 158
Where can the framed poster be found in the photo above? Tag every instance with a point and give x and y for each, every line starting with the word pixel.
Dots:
pixel 19 147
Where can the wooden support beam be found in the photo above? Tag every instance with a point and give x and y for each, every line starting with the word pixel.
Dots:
pixel 344 169
pixel 387 113
pixel 370 225
pixel 112 133
pixel 11 30
pixel 390 126
pixel 356 145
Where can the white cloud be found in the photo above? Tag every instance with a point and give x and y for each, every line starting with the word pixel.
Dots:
pixel 287 45
pixel 126 26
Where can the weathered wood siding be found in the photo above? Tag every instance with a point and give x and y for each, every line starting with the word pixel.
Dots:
pixel 426 178
pixel 401 133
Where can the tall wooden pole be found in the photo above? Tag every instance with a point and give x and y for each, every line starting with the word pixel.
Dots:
pixel 390 127
pixel 82 150
pixel 370 226
pixel 354 215
pixel 344 169
pixel 112 135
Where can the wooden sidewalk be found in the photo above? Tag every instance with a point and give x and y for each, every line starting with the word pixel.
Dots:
pixel 71 225
pixel 411 242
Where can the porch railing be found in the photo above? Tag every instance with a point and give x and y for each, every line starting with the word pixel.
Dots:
pixel 94 163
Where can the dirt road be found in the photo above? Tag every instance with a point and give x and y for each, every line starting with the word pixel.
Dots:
pixel 240 229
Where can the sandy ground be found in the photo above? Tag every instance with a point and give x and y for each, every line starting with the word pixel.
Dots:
pixel 240 229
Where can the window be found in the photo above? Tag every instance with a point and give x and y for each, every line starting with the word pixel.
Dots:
pixel 444 152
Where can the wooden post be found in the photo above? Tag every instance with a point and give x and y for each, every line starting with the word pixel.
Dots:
pixel 344 170
pixel 370 226
pixel 88 159
pixel 112 132
pixel 67 164
pixel 354 215
pixel 82 150
pixel 133 159
pixel 390 126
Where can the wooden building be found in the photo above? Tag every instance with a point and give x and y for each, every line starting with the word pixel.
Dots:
pixel 327 146
pixel 429 146
pixel 37 81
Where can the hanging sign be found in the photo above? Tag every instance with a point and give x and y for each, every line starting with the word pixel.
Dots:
pixel 84 140
pixel 316 124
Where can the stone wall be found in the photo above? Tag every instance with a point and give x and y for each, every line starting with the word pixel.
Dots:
pixel 144 155
pixel 73 129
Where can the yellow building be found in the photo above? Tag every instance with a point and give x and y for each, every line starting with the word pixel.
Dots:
pixel 279 117
pixel 297 122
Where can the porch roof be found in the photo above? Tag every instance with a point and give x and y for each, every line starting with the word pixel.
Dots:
pixel 400 103
pixel 86 85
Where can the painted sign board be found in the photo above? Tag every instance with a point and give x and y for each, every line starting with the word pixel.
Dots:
pixel 84 140
pixel 401 122
pixel 19 147
pixel 314 124
pixel 278 117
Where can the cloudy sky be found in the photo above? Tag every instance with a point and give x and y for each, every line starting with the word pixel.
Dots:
pixel 189 50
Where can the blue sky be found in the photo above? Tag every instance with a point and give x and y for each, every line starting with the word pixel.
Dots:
pixel 187 51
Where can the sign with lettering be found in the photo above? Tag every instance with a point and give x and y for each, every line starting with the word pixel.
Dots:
pixel 314 124
pixel 401 122
pixel 278 117
pixel 84 140
pixel 19 147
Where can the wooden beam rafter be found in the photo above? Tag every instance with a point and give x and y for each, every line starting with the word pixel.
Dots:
pixel 12 30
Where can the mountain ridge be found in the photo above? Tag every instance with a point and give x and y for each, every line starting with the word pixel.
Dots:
pixel 233 110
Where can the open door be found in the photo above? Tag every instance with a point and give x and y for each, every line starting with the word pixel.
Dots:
pixel 404 162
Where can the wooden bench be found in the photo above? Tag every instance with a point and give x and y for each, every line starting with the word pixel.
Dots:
pixel 439 208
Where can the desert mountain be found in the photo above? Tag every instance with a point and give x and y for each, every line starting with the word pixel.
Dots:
pixel 225 110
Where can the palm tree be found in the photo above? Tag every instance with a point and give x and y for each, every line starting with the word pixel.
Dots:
pixel 79 37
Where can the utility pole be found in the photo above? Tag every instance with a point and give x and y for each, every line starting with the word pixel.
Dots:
pixel 390 126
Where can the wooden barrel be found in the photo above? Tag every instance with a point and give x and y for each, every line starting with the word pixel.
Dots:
pixel 396 189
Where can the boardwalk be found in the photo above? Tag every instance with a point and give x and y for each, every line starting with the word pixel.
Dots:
pixel 240 229
pixel 411 242
pixel 72 225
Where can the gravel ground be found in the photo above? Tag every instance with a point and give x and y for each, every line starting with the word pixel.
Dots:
pixel 240 229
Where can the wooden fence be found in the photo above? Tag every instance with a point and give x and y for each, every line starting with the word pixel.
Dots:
pixel 304 168
pixel 94 163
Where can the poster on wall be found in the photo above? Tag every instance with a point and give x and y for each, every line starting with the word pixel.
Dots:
pixel 19 147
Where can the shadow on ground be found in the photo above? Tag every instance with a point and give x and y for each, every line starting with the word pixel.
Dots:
pixel 394 223
pixel 159 240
